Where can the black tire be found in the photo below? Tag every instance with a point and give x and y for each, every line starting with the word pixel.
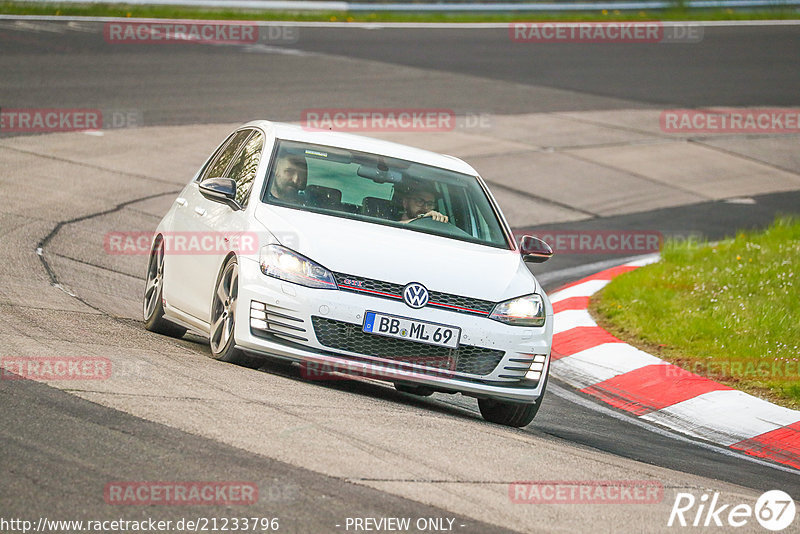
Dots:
pixel 513 414
pixel 223 318
pixel 153 307
pixel 420 391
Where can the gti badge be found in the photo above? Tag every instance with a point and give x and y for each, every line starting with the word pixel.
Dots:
pixel 415 295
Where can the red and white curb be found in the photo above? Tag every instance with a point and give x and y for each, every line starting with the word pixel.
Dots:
pixel 589 358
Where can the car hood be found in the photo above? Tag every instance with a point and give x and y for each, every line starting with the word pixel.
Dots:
pixel 398 255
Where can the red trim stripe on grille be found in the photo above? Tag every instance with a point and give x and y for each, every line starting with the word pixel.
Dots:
pixel 439 304
pixel 371 291
pixel 457 307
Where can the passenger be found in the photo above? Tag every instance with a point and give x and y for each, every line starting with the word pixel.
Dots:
pixel 418 199
pixel 290 177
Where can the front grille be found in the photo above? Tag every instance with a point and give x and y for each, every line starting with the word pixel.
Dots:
pixel 390 290
pixel 350 337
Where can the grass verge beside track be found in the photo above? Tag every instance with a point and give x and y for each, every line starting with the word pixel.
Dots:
pixel 178 12
pixel 728 311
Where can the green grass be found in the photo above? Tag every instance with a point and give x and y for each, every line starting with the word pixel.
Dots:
pixel 112 10
pixel 729 311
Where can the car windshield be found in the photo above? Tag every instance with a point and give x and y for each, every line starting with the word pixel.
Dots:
pixel 382 190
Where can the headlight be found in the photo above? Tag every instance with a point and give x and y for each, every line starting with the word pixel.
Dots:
pixel 286 264
pixel 521 311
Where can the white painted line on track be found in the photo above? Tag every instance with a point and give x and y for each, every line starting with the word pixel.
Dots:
pixel 644 260
pixel 382 25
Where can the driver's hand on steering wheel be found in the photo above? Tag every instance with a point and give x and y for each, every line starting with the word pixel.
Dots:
pixel 435 215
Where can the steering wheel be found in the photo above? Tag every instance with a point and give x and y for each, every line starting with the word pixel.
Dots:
pixel 425 220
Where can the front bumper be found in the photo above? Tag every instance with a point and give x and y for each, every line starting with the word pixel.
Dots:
pixel 289 333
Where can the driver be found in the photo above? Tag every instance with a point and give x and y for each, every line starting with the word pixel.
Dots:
pixel 291 177
pixel 419 198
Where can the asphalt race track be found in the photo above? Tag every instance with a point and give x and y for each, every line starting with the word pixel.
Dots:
pixel 479 71
pixel 573 142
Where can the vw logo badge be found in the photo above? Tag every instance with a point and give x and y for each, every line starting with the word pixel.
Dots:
pixel 415 295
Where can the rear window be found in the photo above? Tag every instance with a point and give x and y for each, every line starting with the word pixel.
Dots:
pixel 382 190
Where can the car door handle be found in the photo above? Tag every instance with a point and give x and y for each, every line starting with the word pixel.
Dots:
pixel 181 202
pixel 200 211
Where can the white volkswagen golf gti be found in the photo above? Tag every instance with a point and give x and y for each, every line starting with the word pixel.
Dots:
pixel 360 256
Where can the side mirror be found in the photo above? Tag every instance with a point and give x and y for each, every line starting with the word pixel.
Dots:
pixel 220 190
pixel 535 250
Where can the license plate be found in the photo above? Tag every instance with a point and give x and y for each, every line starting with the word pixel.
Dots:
pixel 411 329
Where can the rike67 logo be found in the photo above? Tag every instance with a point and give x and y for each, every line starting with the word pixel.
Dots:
pixel 774 510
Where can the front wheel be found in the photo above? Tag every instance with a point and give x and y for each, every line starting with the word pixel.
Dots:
pixel 514 414
pixel 153 295
pixel 223 318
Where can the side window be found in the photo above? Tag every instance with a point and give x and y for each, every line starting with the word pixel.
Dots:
pixel 219 163
pixel 244 167
pixel 213 158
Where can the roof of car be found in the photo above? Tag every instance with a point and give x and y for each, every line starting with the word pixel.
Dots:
pixel 292 132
